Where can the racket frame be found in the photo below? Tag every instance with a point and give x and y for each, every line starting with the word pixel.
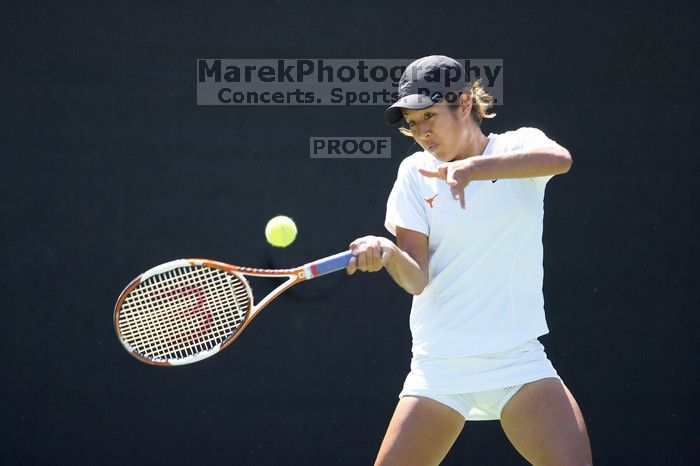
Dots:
pixel 295 275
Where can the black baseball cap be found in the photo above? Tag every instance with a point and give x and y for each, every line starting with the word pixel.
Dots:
pixel 426 82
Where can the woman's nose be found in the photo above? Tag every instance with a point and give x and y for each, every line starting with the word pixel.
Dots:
pixel 422 130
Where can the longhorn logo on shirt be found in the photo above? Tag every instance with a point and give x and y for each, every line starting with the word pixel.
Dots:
pixel 430 200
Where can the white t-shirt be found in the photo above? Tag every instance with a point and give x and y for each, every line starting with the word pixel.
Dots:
pixel 485 262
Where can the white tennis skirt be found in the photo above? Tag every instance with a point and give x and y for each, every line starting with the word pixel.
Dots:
pixel 524 363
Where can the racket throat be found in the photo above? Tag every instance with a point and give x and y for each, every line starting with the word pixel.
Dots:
pixel 276 292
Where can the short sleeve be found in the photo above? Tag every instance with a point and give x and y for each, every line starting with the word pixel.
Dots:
pixel 404 208
pixel 533 138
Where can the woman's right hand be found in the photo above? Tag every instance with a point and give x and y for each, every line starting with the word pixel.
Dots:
pixel 370 254
pixel 406 261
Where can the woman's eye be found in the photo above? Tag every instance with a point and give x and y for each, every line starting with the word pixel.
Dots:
pixel 428 116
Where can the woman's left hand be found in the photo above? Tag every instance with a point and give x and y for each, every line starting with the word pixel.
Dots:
pixel 456 174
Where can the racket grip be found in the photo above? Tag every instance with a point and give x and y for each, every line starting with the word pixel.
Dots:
pixel 329 264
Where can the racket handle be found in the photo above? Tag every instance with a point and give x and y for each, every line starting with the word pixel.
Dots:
pixel 328 264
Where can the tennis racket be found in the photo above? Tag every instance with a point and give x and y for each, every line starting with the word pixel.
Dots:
pixel 187 310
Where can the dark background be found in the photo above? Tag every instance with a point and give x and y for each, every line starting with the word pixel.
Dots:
pixel 109 167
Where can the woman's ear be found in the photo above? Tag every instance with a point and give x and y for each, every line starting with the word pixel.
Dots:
pixel 465 104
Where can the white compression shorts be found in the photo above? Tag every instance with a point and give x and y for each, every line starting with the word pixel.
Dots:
pixel 478 386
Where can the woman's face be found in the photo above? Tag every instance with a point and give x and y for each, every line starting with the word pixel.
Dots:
pixel 442 130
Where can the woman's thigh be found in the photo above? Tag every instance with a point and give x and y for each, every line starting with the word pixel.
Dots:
pixel 544 423
pixel 421 432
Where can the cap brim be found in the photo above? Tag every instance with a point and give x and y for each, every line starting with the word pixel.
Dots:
pixel 414 101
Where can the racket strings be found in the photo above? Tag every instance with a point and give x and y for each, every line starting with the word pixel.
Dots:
pixel 183 312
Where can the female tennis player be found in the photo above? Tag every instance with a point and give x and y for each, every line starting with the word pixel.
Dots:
pixel 467 215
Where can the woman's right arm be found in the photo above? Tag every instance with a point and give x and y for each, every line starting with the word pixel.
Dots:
pixel 406 261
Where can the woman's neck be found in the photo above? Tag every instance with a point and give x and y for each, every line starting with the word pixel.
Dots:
pixel 474 145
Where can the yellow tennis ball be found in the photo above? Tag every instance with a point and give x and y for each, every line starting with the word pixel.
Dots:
pixel 280 231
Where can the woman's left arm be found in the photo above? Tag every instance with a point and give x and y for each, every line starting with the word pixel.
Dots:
pixel 528 163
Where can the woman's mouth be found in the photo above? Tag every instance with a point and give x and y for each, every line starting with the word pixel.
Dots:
pixel 432 146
